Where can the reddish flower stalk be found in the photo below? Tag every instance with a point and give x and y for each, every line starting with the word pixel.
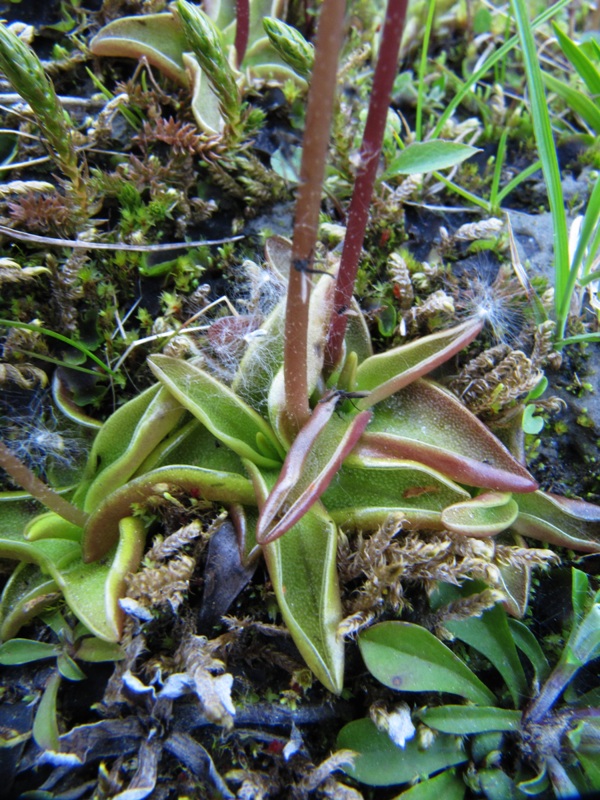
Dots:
pixel 20 473
pixel 358 212
pixel 314 154
pixel 242 29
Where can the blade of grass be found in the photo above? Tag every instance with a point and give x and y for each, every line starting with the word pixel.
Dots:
pixel 10 323
pixel 464 193
pixel 423 69
pixel 582 106
pixel 518 179
pixel 489 63
pixel 589 229
pixel 498 164
pixel 586 68
pixel 550 168
pixel 582 338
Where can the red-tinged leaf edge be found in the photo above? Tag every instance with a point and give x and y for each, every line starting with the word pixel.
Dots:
pixel 461 469
pixel 269 527
pixel 559 520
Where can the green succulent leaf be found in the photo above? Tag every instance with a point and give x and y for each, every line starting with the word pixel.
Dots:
pixel 447 784
pixel 312 462
pixel 193 445
pixel 24 651
pixel 425 423
pixel 205 103
pixel 366 496
pixel 91 590
pixel 420 157
pixel 530 647
pixel 386 373
pixel 302 568
pixel 205 41
pixel 45 723
pixel 158 37
pixel 485 515
pixel 379 762
pixel 409 658
pixel 126 439
pixel 264 354
pixel 69 669
pixel 490 635
pixel 464 720
pixel 558 520
pixel 102 529
pixel 26 594
pixel 227 417
pixel 97 650
pixel 51 526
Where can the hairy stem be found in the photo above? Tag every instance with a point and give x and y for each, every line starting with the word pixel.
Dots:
pixel 242 29
pixel 314 153
pixel 20 473
pixel 358 212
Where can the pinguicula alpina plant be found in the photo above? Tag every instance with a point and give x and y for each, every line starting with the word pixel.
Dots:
pixel 314 433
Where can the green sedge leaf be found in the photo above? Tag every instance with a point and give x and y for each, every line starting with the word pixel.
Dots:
pixel 580 593
pixel 585 67
pixel 577 101
pixel 530 647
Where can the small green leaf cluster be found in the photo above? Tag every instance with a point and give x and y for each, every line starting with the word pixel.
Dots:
pixel 74 643
pixel 408 658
